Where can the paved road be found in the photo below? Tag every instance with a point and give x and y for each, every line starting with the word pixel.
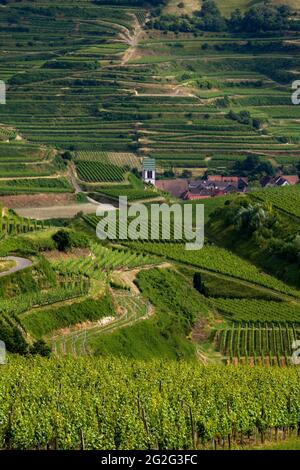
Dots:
pixel 21 263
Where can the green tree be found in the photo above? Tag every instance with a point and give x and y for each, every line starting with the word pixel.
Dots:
pixel 252 167
pixel 186 174
pixel 199 284
pixel 235 20
pixel 67 156
pixel 251 217
pixel 62 240
pixel 266 17
pixel 41 348
pixel 211 18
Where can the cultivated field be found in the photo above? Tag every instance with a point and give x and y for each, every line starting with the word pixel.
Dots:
pixel 130 326
pixel 170 98
pixel 56 212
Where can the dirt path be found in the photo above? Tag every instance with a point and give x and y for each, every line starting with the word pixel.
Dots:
pixel 73 178
pixel 76 337
pixel 128 277
pixel 172 91
pixel 21 263
pixel 132 39
pixel 75 342
pixel 11 178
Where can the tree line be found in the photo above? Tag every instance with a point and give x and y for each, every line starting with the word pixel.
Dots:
pixel 258 19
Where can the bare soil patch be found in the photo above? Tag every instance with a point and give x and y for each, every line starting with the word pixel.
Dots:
pixel 56 255
pixel 87 325
pixel 36 200
pixel 132 39
pixel 57 211
pixel 128 276
pixel 200 331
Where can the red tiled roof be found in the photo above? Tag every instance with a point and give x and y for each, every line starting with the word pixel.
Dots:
pixel 193 197
pixel 216 178
pixel 176 187
pixel 291 179
pixel 231 179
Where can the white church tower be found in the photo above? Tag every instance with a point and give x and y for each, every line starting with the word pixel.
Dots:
pixel 149 170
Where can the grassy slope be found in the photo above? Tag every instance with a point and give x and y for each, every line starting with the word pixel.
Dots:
pixel 189 7
pixel 218 260
pixel 226 7
pixel 290 444
pixel 42 321
pixel 177 307
pixel 244 246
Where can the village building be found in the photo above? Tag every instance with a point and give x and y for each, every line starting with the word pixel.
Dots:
pixel 176 187
pixel 215 186
pixel 282 180
pixel 202 189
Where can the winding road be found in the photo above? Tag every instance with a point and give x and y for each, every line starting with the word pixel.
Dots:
pixel 21 263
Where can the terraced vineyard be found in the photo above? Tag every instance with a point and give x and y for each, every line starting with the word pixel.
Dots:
pixel 77 343
pixel 215 259
pixel 93 87
pixel 96 80
pixel 99 172
pixel 35 185
pixel 7 133
pixel 64 74
pixel 26 160
pixel 246 310
pixel 25 170
pixel 103 260
pixel 151 227
pixel 286 199
pixel 261 343
pixel 12 224
pixel 113 158
pixel 170 97
pixel 132 194
pixel 27 302
pixel 23 153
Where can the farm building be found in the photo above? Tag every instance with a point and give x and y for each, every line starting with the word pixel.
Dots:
pixel 176 187
pixel 241 182
pixel 283 180
pixel 215 186
pixel 203 189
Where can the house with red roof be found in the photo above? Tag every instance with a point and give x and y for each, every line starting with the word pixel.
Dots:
pixel 282 180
